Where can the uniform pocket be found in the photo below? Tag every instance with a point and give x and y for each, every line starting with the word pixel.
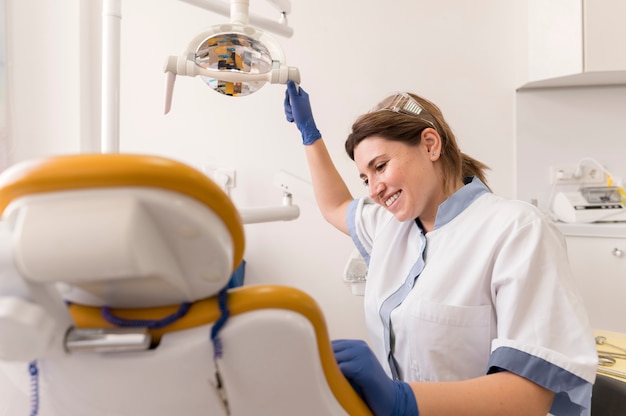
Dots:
pixel 449 342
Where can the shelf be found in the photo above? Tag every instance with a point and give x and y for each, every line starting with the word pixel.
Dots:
pixel 587 79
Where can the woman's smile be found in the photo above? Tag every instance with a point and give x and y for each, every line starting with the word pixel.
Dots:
pixel 392 199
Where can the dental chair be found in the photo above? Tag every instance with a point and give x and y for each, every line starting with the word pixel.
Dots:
pixel 113 300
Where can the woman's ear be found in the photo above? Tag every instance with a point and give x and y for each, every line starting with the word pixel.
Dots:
pixel 432 141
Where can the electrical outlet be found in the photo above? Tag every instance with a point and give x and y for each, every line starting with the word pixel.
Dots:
pixel 568 175
pixel 563 175
pixel 592 175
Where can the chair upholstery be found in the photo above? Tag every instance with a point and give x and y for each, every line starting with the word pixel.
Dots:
pixel 139 236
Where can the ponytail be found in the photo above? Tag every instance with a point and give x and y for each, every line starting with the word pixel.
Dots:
pixel 473 167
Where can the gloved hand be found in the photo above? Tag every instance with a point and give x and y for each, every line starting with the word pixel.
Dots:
pixel 298 109
pixel 384 396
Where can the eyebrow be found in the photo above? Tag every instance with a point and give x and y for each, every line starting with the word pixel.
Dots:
pixel 371 164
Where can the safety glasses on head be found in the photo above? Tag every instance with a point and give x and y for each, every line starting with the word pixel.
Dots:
pixel 405 104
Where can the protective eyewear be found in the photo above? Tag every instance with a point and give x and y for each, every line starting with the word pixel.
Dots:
pixel 405 104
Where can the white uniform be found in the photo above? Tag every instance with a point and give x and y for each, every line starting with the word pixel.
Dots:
pixel 495 293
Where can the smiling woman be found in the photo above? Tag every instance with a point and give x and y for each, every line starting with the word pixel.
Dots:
pixel 469 295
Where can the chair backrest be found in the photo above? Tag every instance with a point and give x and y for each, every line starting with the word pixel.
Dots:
pixel 94 242
pixel 117 226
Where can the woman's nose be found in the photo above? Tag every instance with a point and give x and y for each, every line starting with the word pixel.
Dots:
pixel 375 188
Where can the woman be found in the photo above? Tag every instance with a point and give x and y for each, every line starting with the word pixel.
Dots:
pixel 469 302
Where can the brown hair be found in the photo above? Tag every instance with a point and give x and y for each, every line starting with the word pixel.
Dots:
pixel 407 127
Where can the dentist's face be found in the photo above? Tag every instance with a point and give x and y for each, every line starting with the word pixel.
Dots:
pixel 400 177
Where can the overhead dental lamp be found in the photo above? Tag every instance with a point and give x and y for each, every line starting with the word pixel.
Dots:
pixel 234 59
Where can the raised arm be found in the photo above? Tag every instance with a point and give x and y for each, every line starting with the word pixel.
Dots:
pixel 331 193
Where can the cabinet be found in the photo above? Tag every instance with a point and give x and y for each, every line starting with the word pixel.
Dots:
pixel 599 267
pixel 576 42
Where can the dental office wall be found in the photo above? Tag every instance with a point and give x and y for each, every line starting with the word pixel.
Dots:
pixel 464 56
pixel 562 126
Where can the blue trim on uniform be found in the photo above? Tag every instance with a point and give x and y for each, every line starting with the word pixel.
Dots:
pixel 351 223
pixel 447 211
pixel 572 393
pixel 395 300
pixel 460 200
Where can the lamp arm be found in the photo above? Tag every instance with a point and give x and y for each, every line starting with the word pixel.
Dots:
pixel 285 212
pixel 230 75
pixel 221 7
pixel 181 65
pixel 279 74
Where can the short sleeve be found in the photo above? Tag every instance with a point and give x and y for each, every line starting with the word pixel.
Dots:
pixel 364 217
pixel 543 333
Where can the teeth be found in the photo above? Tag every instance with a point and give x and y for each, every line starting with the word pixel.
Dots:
pixel 392 198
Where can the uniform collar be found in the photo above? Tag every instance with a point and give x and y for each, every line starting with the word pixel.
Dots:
pixel 460 200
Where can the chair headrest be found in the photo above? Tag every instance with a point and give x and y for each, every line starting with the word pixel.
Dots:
pixel 151 209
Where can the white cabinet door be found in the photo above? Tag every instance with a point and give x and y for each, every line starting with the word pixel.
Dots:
pixel 599 266
pixel 576 42
pixel 604 35
pixel 554 39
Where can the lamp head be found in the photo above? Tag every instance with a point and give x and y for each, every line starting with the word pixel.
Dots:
pixel 232 59
pixel 237 49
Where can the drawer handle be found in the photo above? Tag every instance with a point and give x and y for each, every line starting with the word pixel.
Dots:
pixel 618 252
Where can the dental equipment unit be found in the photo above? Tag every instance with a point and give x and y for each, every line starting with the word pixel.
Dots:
pixel 592 203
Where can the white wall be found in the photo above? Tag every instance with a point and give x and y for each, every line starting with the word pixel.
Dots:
pixel 561 126
pixel 42 66
pixel 350 54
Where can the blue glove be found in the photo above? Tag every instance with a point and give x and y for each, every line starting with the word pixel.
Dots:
pixel 298 109
pixel 384 396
